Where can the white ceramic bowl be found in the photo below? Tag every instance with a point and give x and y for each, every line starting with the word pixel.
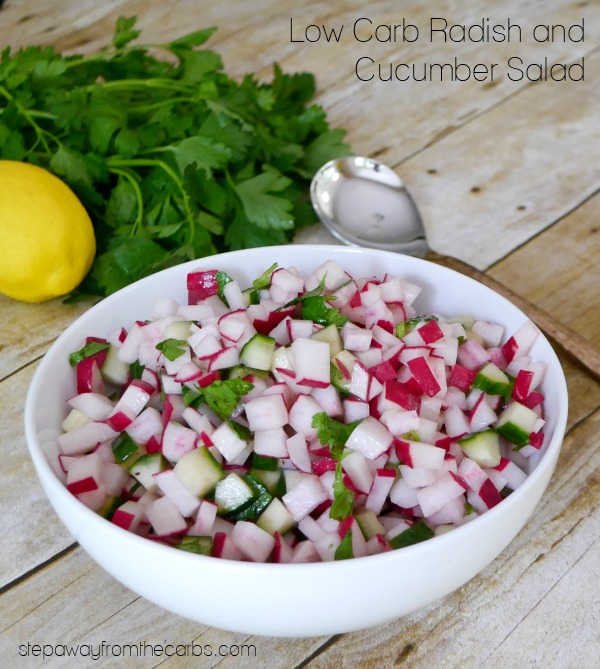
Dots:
pixel 299 599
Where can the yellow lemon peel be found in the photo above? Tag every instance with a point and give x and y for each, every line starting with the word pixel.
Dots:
pixel 48 243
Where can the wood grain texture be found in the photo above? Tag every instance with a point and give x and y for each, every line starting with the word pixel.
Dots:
pixel 507 176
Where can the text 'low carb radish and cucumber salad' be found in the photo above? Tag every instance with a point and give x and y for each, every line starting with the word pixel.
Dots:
pixel 301 418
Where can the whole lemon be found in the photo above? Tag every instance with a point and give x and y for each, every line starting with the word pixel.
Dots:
pixel 47 241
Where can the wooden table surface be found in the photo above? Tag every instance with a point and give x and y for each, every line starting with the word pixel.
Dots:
pixel 507 174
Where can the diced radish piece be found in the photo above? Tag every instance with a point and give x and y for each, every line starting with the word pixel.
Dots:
pixel 84 474
pixel 297 450
pixel 521 341
pixel 301 414
pixel 252 541
pixel 357 467
pixel 305 497
pixel 484 499
pixel 423 374
pixel 165 518
pixel 462 377
pixel 282 551
pixel 435 496
pixel 329 399
pixel 514 475
pixel 84 438
pixel 299 329
pixel 491 333
pixel 172 487
pixel 419 477
pixel 456 422
pixel 129 515
pixel 472 474
pixel 199 422
pixel 227 441
pixel 311 362
pixel 382 483
pixel 356 338
pixel 331 271
pixel 370 437
pixel 416 454
pixel 177 440
pixel 205 519
pixel 472 355
pixel 452 513
pixel 130 404
pixel 224 358
pixel 233 295
pixel 355 409
pixel 401 394
pixel 202 284
pixel 481 416
pixel 305 552
pixel 266 413
pixel 114 478
pixel 285 285
pixel 224 547
pixel 271 443
pixel 89 378
pixel 362 384
pixel 93 405
pixel 399 422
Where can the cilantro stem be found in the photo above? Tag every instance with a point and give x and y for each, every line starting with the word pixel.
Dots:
pixel 127 174
pixel 25 113
pixel 115 162
pixel 125 84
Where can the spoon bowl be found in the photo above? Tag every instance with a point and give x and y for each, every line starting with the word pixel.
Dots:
pixel 363 202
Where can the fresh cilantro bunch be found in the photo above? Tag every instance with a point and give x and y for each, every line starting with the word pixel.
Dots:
pixel 172 158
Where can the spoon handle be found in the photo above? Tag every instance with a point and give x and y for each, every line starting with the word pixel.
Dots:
pixel 576 346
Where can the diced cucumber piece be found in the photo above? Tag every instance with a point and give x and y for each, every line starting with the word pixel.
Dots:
pixel 265 463
pixel 232 492
pixel 193 544
pixel 144 468
pixel 369 524
pixel 274 481
pixel 482 447
pixel 492 380
pixel 418 532
pixel 241 372
pixel 276 518
pixel 331 335
pixel 114 370
pixel 199 471
pixel 178 330
pixel 241 497
pixel 516 423
pixel 125 450
pixel 257 352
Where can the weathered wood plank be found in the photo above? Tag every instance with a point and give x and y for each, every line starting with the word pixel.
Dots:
pixel 30 531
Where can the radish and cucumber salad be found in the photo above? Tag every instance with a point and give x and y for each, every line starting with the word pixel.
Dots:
pixel 300 418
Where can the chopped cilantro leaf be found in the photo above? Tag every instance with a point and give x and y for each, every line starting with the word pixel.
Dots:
pixel 343 497
pixel 315 309
pixel 344 550
pixel 172 348
pixel 333 433
pixel 222 397
pixel 90 349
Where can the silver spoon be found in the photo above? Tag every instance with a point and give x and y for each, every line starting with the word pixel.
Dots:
pixel 363 202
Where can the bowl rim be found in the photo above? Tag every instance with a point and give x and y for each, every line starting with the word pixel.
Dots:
pixel 51 481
